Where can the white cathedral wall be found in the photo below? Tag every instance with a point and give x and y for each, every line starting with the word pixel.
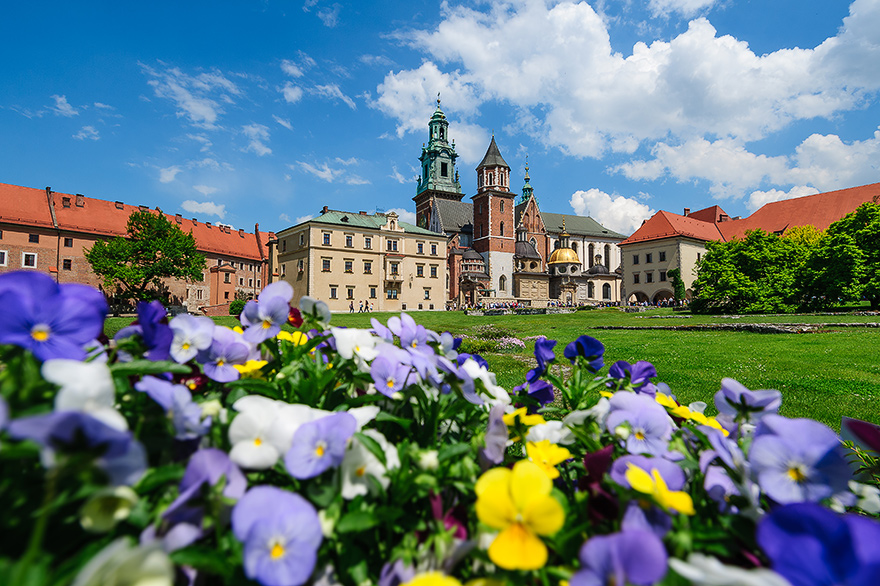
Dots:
pixel 498 264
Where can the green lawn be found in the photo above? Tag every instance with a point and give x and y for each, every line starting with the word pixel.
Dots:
pixel 822 375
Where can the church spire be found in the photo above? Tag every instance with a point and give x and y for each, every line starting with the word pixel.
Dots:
pixel 527 190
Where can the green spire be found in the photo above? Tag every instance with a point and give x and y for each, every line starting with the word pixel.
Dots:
pixel 438 157
pixel 527 190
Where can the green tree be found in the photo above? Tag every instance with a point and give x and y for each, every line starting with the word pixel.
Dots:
pixel 846 264
pixel 155 249
pixel 678 289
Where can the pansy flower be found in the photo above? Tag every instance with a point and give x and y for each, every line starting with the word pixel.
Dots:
pixel 191 334
pixel 319 445
pixel 589 348
pixel 630 557
pixel 263 318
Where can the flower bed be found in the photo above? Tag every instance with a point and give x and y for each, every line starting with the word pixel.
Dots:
pixel 184 452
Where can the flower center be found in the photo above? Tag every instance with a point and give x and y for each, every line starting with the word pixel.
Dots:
pixel 267 324
pixel 797 473
pixel 258 441
pixel 220 362
pixel 640 435
pixel 184 346
pixel 191 385
pixel 40 332
pixel 390 383
pixel 277 551
pixel 320 448
pixel 360 471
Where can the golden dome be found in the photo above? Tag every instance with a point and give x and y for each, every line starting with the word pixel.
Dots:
pixel 564 255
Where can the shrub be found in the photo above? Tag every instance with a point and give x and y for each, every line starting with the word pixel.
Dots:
pixel 236 307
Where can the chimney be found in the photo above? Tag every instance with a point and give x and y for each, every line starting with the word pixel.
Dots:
pixel 241 232
pixel 178 218
pixel 687 211
pixel 65 202
pixel 80 200
pixel 119 205
pixel 723 217
pixel 324 210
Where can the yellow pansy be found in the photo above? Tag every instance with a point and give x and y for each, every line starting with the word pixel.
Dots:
pixel 251 368
pixel 687 414
pixel 518 503
pixel 547 456
pixel 433 579
pixel 666 401
pixel 295 338
pixel 524 418
pixel 654 485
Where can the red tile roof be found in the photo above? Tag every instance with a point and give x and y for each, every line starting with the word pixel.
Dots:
pixel 820 210
pixel 28 206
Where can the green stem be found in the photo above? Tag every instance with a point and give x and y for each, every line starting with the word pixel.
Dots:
pixel 36 542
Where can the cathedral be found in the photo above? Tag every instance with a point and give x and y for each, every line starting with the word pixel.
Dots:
pixel 501 248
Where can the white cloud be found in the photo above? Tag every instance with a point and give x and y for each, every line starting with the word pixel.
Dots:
pixel 404 215
pixel 205 190
pixel 696 84
pixel 828 163
pixel 337 174
pixel 62 108
pixel 292 93
pixel 618 213
pixel 330 15
pixel 685 8
pixel 760 198
pixel 258 135
pixel 209 208
pixel 101 106
pixel 302 219
pixel 291 68
pixel 333 92
pixel 397 176
pixel 196 98
pixel 168 174
pixel 283 122
pixel 87 132
pixel 284 218
pixel 201 138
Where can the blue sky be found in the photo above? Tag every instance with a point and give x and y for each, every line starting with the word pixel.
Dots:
pixel 264 111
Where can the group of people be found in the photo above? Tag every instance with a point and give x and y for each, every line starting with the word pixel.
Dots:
pixel 363 307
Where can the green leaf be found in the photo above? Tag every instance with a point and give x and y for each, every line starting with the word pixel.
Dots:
pixel 204 559
pixel 402 422
pixel 321 494
pixel 156 477
pixel 371 445
pixel 144 367
pixel 357 521
pixel 453 451
pixel 256 386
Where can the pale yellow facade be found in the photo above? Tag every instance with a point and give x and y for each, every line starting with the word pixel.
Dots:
pixel 646 266
pixel 390 266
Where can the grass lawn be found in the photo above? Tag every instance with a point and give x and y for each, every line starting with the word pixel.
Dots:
pixel 822 375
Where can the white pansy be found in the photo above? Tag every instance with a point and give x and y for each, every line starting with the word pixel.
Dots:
pixel 428 460
pixel 121 564
pixel 364 415
pixel 497 395
pixel 869 497
pixel 597 413
pixel 289 418
pixel 249 431
pixel 556 432
pixel 86 387
pixel 702 570
pixel 355 343
pixel 359 464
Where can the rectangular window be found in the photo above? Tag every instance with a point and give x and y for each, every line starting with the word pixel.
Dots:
pixel 300 265
pixel 34 238
pixel 372 292
pixel 226 295
pixel 326 239
pixel 332 292
pixel 368 242
pixel 226 278
pixel 635 259
pixel 241 281
pixel 420 270
pixel 427 293
pixel 284 246
pixel 350 293
pixel 198 293
pixel 302 239
pixel 392 293
pixel 349 241
pixel 662 254
pixel 368 267
pixel 68 243
pixel 636 278
pixel 250 282
pixel 258 282
pixel 67 264
pixel 394 266
pixel 420 248
pixel 662 275
pixel 433 271
pixel 325 265
pixel 434 249
pixel 391 245
pixel 2 258
pixel 649 258
pixel 348 266
pixel 649 277
pixel 444 169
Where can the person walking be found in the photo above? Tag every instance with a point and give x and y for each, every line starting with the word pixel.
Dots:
pixel 360 306
pixel 351 307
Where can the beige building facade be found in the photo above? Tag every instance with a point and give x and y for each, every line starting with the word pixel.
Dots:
pixel 350 260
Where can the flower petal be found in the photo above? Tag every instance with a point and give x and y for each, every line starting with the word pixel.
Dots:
pixel 517 548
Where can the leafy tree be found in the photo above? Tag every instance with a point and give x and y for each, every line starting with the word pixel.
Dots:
pixel 678 289
pixel 155 249
pixel 846 265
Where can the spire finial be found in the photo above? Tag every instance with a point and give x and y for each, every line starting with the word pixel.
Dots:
pixel 438 99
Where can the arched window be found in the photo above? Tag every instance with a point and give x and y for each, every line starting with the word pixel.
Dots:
pixel 502 283
pixel 608 257
pixel 574 246
pixel 502 227
pixel 441 133
pixel 606 291
pixel 590 256
pixel 591 290
pixel 502 206
pixel 491 178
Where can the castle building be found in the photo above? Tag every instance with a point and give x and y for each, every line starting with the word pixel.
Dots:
pixel 47 231
pixel 677 241
pixel 514 239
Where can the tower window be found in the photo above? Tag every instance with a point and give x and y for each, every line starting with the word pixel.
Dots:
pixel 444 169
pixel 502 228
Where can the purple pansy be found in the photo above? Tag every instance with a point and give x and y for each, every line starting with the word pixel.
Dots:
pixel 737 402
pixel 191 334
pixel 638 375
pixel 630 557
pixel 50 320
pixel 496 437
pixel 65 430
pixel 589 348
pixel 227 349
pixel 641 515
pixel 263 318
pixel 798 460
pixel 281 534
pixel 389 375
pixel 810 545
pixel 647 425
pixel 206 468
pixel 319 445
pixel 152 326
pixel 862 433
pixel 177 402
